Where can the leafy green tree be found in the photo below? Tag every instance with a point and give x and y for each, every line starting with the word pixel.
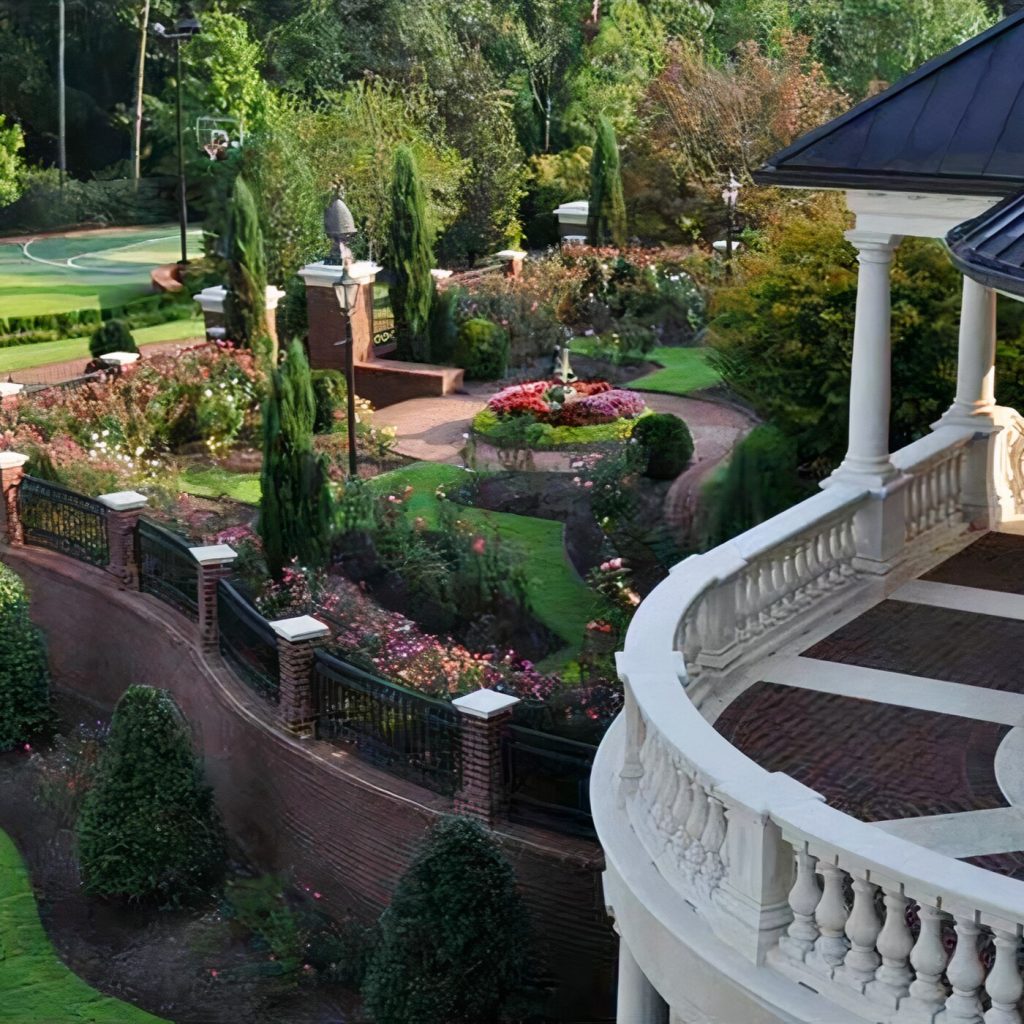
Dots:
pixel 454 945
pixel 245 306
pixel 412 257
pixel 12 142
pixel 24 676
pixel 294 520
pixel 606 221
pixel 149 829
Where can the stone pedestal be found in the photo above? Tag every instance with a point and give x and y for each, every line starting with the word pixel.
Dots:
pixel 123 511
pixel 572 221
pixel 484 716
pixel 215 561
pixel 211 302
pixel 12 469
pixel 512 262
pixel 297 640
pixel 327 324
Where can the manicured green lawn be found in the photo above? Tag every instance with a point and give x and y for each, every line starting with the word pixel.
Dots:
pixel 214 482
pixel 683 369
pixel 35 986
pixel 111 268
pixel 24 357
pixel 559 598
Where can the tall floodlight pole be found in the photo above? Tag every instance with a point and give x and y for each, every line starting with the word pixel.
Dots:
pixel 185 28
pixel 62 120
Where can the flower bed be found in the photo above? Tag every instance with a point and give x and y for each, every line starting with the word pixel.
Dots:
pixel 547 414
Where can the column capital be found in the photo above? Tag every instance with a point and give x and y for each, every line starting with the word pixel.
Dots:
pixel 874 246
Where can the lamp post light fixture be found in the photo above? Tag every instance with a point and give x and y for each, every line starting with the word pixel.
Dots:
pixel 185 28
pixel 730 196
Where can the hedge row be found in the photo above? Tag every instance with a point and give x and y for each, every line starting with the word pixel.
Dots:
pixel 138 313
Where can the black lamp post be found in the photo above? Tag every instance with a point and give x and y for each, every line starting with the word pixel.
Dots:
pixel 184 29
pixel 340 228
pixel 730 195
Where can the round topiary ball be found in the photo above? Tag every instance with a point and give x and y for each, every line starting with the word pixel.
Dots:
pixel 112 336
pixel 667 442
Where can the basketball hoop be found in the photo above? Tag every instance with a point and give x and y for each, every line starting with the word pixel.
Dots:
pixel 216 135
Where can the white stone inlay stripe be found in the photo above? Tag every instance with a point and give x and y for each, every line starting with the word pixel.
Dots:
pixel 897 688
pixel 962 599
pixel 968 834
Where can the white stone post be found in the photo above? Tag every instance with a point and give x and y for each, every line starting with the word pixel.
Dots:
pixel 867 460
pixel 637 1001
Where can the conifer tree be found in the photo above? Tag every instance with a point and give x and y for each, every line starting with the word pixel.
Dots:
pixel 245 305
pixel 412 257
pixel 454 945
pixel 149 829
pixel 295 508
pixel 25 710
pixel 606 219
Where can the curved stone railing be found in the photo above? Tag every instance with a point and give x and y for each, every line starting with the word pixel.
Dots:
pixel 881 928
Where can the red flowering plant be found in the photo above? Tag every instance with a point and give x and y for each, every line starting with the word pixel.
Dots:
pixel 581 403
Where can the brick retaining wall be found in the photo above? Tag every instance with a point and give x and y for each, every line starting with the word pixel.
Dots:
pixel 304 806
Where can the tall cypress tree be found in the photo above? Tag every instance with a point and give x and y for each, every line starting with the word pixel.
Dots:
pixel 412 257
pixel 295 508
pixel 245 306
pixel 606 220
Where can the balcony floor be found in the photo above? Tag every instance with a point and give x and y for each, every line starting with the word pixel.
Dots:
pixel 896 716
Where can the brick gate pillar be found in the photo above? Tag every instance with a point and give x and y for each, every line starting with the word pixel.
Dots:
pixel 215 561
pixel 12 469
pixel 297 641
pixel 485 714
pixel 326 321
pixel 123 511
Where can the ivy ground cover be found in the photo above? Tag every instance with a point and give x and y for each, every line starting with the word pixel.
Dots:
pixel 34 984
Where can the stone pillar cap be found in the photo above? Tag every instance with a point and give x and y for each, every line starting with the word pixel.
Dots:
pixel 485 703
pixel 301 627
pixel 441 275
pixel 211 300
pixel 512 254
pixel 214 554
pixel 274 296
pixel 119 358
pixel 326 275
pixel 8 388
pixel 123 501
pixel 12 460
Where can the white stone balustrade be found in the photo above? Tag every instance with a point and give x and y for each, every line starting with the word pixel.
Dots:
pixel 835 919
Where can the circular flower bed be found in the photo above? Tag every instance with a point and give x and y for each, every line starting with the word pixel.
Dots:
pixel 550 414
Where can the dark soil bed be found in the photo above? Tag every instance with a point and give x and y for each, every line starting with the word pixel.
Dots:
pixel 160 960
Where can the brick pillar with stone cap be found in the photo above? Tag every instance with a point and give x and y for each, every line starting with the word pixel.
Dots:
pixel 123 511
pixel 215 561
pixel 12 469
pixel 485 714
pixel 512 262
pixel 297 641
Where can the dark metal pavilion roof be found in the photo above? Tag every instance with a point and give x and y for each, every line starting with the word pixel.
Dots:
pixel 954 126
pixel 990 248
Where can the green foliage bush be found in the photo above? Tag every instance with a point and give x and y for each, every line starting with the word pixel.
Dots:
pixel 149 829
pixel 152 309
pixel 759 481
pixel 525 432
pixel 481 349
pixel 113 336
pixel 606 221
pixel 329 393
pixel 442 329
pixel 666 442
pixel 24 676
pixel 455 943
pixel 245 305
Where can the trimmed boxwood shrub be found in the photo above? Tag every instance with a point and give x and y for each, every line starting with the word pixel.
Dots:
pixel 442 330
pixel 113 336
pixel 149 829
pixel 481 349
pixel 329 393
pixel 666 442
pixel 454 944
pixel 25 710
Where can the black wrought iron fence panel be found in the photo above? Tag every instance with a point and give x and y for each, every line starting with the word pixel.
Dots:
pixel 62 520
pixel 167 569
pixel 248 643
pixel 383 319
pixel 399 730
pixel 547 779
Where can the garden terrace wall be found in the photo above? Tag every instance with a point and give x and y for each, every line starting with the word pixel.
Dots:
pixel 311 808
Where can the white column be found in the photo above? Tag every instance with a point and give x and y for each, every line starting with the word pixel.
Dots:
pixel 638 1001
pixel 867 457
pixel 976 358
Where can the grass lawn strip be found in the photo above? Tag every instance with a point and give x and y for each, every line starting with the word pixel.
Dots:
pixel 558 597
pixel 35 986
pixel 683 369
pixel 214 482
pixel 26 357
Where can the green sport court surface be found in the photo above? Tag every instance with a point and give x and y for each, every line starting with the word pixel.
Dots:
pixel 89 270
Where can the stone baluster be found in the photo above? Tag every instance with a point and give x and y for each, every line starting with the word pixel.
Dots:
pixel 638 740
pixel 680 813
pixel 928 958
pixel 862 929
pixel 755 588
pixel 1003 983
pixel 835 543
pixel 892 979
pixel 665 801
pixel 695 823
pixel 803 901
pixel 956 476
pixel 830 917
pixel 712 838
pixel 966 975
pixel 848 548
